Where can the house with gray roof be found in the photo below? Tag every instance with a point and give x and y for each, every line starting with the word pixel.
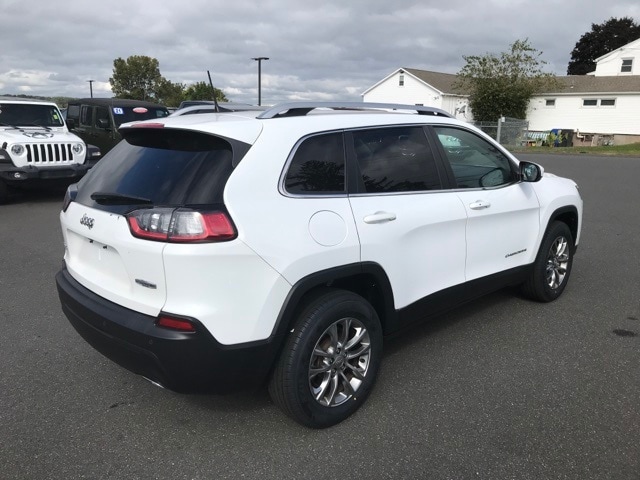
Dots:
pixel 595 108
pixel 602 107
pixel 420 87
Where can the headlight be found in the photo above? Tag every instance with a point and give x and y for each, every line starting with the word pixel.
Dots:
pixel 78 148
pixel 17 150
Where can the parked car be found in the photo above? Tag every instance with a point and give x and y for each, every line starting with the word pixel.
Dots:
pixel 96 120
pixel 282 246
pixel 221 106
pixel 36 147
pixel 206 108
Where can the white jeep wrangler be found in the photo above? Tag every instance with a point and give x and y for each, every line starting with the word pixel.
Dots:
pixel 36 146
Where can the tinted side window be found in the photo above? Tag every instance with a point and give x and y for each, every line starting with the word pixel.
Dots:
pixel 318 166
pixel 73 111
pixel 85 115
pixel 475 162
pixel 102 114
pixel 396 159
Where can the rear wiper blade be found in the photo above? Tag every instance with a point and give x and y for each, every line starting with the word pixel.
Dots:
pixel 106 198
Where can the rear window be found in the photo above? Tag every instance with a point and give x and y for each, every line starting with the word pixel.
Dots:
pixel 133 114
pixel 167 167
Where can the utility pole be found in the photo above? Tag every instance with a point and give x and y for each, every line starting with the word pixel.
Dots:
pixel 259 60
pixel 91 87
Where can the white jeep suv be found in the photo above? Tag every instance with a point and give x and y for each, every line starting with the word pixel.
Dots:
pixel 224 251
pixel 36 146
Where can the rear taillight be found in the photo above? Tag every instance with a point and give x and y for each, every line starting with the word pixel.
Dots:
pixel 175 323
pixel 181 225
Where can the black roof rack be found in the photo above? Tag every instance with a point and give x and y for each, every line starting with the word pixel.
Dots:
pixel 298 109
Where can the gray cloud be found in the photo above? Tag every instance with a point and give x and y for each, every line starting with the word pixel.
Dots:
pixel 329 50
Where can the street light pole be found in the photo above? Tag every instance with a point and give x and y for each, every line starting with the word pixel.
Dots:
pixel 91 86
pixel 259 60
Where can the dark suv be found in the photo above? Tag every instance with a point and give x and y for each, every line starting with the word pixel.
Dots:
pixel 96 120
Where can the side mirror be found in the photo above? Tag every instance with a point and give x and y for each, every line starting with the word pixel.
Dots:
pixel 104 124
pixel 71 123
pixel 530 172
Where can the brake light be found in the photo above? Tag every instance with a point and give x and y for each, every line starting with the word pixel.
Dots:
pixel 148 125
pixel 181 225
pixel 174 323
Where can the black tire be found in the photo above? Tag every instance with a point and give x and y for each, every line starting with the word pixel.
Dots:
pixel 325 322
pixel 552 267
pixel 4 193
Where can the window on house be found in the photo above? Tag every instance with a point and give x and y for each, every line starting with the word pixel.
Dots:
pixel 550 102
pixel 627 65
pixel 589 102
pixel 401 80
pixel 608 102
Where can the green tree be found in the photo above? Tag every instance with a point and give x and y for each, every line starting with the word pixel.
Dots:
pixel 503 85
pixel 136 78
pixel 602 39
pixel 169 93
pixel 202 91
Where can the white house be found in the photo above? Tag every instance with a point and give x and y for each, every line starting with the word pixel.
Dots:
pixel 624 61
pixel 419 87
pixel 588 104
pixel 604 105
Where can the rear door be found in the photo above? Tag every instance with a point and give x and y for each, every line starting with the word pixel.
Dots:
pixel 407 222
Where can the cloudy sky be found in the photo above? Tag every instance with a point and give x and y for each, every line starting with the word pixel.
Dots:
pixel 321 50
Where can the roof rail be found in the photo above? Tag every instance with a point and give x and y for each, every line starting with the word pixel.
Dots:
pixel 298 109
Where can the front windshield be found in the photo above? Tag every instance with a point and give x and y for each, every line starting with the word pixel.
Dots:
pixel 30 115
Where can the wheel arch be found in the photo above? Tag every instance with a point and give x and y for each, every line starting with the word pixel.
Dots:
pixel 569 216
pixel 367 279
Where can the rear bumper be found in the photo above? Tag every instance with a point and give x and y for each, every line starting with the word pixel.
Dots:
pixel 183 362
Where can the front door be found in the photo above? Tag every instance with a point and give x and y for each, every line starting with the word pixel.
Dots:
pixel 503 213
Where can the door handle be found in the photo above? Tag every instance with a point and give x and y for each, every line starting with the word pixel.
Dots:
pixel 380 217
pixel 479 205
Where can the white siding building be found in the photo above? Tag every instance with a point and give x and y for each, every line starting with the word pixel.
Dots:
pixel 419 87
pixel 604 105
pixel 590 104
pixel 624 61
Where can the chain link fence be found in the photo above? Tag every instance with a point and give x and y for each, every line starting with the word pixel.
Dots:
pixel 507 131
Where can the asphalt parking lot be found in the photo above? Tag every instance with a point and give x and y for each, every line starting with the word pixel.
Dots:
pixel 502 388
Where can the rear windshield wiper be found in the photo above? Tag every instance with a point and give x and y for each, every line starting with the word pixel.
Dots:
pixel 106 198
